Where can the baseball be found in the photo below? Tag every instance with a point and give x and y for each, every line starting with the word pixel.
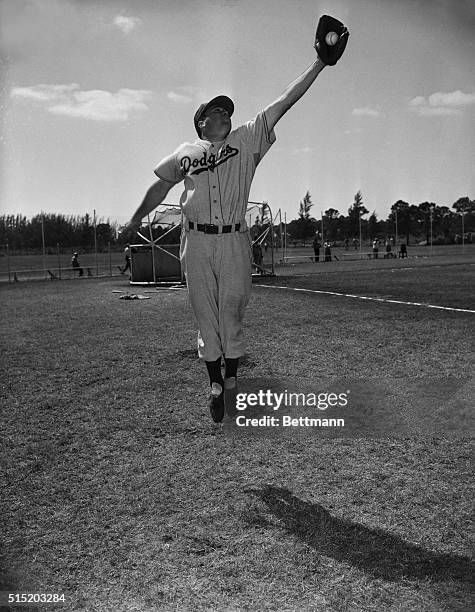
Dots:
pixel 331 38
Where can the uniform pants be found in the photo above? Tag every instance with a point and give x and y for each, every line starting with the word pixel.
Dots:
pixel 219 278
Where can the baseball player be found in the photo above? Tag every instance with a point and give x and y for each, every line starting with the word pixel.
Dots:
pixel 215 250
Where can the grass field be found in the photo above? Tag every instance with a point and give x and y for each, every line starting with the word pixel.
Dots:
pixel 122 494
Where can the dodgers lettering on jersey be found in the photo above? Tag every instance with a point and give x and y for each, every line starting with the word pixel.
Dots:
pixel 218 175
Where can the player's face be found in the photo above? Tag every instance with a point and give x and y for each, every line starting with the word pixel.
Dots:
pixel 218 123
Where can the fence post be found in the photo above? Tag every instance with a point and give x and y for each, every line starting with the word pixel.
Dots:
pixel 95 244
pixel 59 260
pixel 43 240
pixel 8 263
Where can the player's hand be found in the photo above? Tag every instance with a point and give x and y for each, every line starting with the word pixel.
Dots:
pixel 328 51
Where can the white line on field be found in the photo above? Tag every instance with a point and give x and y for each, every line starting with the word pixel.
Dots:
pixel 364 297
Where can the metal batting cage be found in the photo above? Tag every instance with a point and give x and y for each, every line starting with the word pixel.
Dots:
pixel 157 260
pixel 266 238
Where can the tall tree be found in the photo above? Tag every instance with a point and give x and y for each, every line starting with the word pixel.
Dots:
pixel 331 224
pixel 465 207
pixel 305 225
pixel 400 213
pixel 305 206
pixel 356 210
pixel 426 218
pixel 373 225
pixel 464 204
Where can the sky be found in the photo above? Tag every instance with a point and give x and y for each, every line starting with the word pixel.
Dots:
pixel 95 94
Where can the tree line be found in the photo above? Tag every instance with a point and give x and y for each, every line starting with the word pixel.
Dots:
pixel 71 232
pixel 412 222
pixel 409 221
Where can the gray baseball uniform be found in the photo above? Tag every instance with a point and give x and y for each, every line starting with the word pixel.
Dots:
pixel 217 263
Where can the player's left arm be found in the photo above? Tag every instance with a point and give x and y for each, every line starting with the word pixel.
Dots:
pixel 328 51
pixel 292 94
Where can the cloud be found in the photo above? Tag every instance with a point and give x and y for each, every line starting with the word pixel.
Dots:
pixel 441 103
pixel 365 111
pixel 454 98
pixel 417 101
pixel 437 111
pixel 185 94
pixel 179 98
pixel 43 93
pixel 127 24
pixel 95 104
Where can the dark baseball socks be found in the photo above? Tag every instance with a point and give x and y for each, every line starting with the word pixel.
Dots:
pixel 231 367
pixel 216 377
pixel 230 372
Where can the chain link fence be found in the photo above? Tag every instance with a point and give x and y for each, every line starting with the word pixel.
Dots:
pixel 56 264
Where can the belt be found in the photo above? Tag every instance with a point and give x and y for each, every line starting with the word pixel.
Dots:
pixel 209 228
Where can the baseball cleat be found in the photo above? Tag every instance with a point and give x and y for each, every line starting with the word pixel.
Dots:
pixel 216 403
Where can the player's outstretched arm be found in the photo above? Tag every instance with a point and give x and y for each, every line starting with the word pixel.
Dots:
pixel 293 92
pixel 330 42
pixel 154 196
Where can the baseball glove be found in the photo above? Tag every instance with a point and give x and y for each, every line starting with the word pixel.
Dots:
pixel 330 54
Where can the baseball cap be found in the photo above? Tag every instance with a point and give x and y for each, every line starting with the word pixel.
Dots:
pixel 222 101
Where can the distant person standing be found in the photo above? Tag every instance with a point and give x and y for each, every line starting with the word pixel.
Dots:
pixel 355 244
pixel 375 248
pixel 127 259
pixel 75 263
pixel 257 256
pixel 328 251
pixel 402 251
pixel 347 243
pixel 316 248
pixel 388 249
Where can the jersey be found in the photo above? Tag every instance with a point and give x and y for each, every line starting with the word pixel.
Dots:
pixel 218 175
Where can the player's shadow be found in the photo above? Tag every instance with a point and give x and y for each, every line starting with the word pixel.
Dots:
pixel 375 551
